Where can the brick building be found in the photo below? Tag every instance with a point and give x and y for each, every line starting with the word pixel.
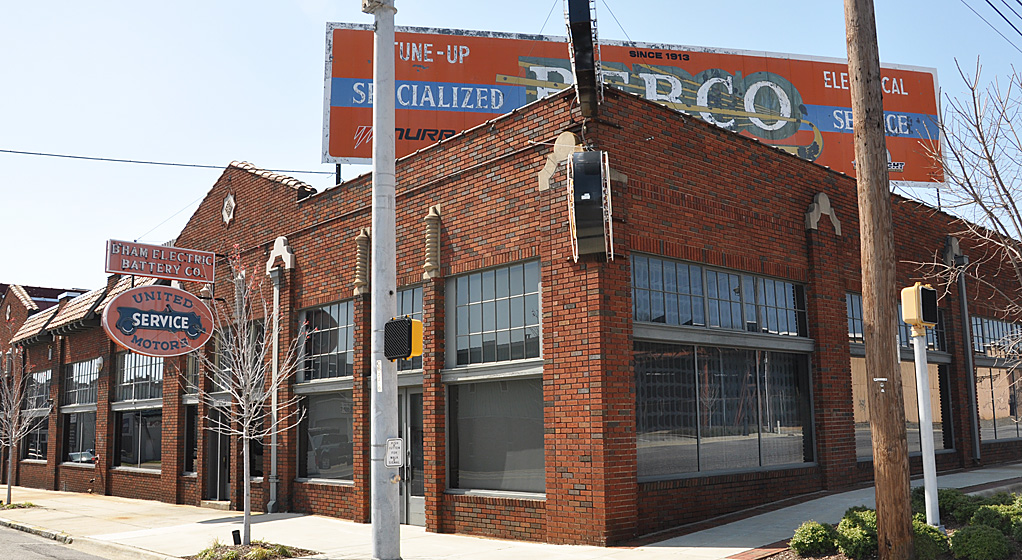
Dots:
pixel 714 364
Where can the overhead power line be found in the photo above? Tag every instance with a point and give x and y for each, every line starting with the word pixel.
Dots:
pixel 117 160
pixel 991 26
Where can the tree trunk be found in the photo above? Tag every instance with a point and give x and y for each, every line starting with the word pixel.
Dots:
pixel 246 537
pixel 10 472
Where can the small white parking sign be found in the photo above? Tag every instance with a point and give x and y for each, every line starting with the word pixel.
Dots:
pixel 395 453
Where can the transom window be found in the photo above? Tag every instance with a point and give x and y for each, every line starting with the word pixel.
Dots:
pixel 37 389
pixel 994 337
pixel 498 315
pixel 330 342
pixel 678 293
pixel 139 377
pixel 409 303
pixel 81 382
pixel 935 337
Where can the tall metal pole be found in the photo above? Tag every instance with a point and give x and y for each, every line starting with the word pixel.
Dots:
pixel 926 426
pixel 385 509
pixel 886 407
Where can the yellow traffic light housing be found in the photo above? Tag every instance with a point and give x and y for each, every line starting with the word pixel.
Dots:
pixel 919 305
pixel 402 338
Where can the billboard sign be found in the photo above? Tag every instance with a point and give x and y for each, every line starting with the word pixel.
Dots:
pixel 158 261
pixel 451 80
pixel 158 321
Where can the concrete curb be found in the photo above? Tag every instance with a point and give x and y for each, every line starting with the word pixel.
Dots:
pixel 58 536
pixel 116 551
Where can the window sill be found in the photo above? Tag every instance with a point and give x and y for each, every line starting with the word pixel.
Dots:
pixel 78 465
pixel 708 336
pixel 505 494
pixel 324 385
pixel 189 474
pixel 723 472
pixel 72 408
pixel 136 405
pixel 325 481
pixel 531 367
pixel 33 461
pixel 139 470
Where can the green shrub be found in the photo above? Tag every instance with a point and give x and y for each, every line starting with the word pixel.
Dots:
pixel 997 516
pixel 259 552
pixel 948 502
pixel 814 539
pixel 232 554
pixel 999 499
pixel 1016 529
pixel 930 543
pixel 857 533
pixel 980 542
pixel 283 551
pixel 919 499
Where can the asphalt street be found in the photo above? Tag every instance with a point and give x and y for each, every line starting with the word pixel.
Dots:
pixel 18 545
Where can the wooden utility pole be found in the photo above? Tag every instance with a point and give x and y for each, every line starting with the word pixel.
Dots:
pixel 879 299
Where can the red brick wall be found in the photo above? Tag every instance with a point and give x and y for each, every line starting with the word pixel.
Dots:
pixel 684 190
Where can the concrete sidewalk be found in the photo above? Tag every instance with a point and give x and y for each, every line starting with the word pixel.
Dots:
pixel 121 528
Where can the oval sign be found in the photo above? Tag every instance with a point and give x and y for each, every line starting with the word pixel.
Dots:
pixel 158 321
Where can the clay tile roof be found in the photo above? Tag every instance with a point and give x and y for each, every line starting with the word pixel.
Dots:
pixel 23 296
pixel 277 177
pixel 123 284
pixel 77 309
pixel 34 325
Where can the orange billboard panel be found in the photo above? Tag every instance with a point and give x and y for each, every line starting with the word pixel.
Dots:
pixel 451 80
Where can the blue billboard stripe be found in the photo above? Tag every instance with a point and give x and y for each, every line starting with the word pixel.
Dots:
pixel 897 124
pixel 432 96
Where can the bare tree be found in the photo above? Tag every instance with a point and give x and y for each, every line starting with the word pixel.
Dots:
pixel 242 377
pixel 982 165
pixel 15 420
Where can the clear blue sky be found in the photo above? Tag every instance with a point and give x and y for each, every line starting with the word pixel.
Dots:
pixel 208 82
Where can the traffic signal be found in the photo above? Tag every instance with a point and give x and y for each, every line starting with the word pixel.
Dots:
pixel 919 305
pixel 402 338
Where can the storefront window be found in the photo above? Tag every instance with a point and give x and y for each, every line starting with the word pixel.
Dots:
pixel 998 391
pixel 701 409
pixel 139 439
pixel 34 445
pixel 325 437
pixel 497 435
pixel 861 415
pixel 80 437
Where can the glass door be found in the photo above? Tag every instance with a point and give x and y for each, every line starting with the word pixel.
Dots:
pixel 413 496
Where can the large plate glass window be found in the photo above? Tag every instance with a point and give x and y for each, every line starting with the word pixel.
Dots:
pixel 701 409
pixel 498 315
pixel 139 439
pixel 80 437
pixel 325 437
pixel 497 435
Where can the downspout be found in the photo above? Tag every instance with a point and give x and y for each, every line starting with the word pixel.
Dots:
pixel 953 257
pixel 280 250
pixel 275 275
